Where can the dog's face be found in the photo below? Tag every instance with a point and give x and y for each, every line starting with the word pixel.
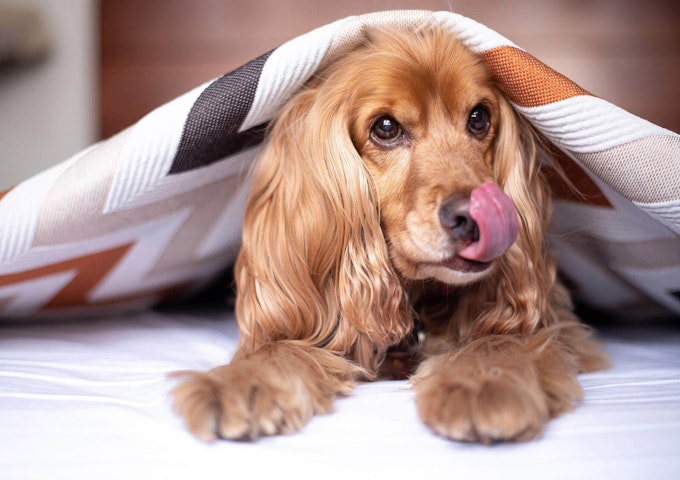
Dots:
pixel 425 118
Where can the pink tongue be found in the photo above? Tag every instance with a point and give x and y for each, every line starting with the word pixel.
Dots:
pixel 496 218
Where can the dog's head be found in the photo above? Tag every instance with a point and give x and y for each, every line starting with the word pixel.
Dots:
pixel 424 115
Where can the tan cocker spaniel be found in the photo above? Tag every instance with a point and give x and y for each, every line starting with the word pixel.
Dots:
pixel 398 189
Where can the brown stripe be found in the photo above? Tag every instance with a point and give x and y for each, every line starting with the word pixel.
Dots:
pixel 90 271
pixel 2 194
pixel 527 81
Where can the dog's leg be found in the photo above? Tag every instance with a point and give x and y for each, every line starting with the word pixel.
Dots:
pixel 504 387
pixel 273 390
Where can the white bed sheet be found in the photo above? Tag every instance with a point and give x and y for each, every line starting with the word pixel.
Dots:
pixel 89 400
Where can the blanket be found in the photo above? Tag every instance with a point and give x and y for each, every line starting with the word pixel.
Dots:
pixel 155 211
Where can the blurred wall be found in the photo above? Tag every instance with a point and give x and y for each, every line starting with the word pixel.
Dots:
pixel 626 51
pixel 150 51
pixel 48 109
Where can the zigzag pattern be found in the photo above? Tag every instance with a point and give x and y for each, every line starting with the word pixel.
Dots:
pixel 157 208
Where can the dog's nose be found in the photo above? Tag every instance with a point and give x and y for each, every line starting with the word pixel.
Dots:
pixel 454 215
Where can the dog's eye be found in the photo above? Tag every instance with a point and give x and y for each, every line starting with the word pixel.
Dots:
pixel 386 131
pixel 479 121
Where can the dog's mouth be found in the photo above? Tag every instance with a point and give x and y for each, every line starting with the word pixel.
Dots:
pixel 464 265
pixel 482 229
pixel 494 215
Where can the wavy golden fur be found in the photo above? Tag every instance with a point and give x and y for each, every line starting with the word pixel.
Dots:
pixel 345 250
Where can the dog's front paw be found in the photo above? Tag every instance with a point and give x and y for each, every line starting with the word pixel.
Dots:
pixel 239 403
pixel 496 405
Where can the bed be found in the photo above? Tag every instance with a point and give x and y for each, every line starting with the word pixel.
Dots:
pixel 90 248
pixel 89 399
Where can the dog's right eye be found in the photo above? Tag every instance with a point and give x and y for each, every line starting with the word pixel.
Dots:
pixel 386 131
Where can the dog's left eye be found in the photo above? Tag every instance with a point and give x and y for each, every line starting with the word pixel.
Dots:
pixel 479 121
pixel 386 131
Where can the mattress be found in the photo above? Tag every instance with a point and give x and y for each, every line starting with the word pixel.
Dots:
pixel 89 399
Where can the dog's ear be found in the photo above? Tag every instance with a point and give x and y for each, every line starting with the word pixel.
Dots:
pixel 523 294
pixel 518 170
pixel 314 266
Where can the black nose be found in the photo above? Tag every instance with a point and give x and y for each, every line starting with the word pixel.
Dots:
pixel 454 215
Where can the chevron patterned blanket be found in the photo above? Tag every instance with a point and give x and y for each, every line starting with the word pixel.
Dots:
pixel 156 210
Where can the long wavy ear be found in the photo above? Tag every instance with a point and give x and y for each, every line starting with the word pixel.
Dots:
pixel 523 294
pixel 314 267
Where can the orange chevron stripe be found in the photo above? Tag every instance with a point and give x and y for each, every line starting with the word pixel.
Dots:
pixel 2 194
pixel 528 82
pixel 91 270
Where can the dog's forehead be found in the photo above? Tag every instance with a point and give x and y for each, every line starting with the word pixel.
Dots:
pixel 418 68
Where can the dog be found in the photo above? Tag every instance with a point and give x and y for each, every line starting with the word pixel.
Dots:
pixel 398 191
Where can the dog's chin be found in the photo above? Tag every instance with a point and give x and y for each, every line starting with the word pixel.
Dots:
pixel 465 266
pixel 452 271
pixel 459 271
